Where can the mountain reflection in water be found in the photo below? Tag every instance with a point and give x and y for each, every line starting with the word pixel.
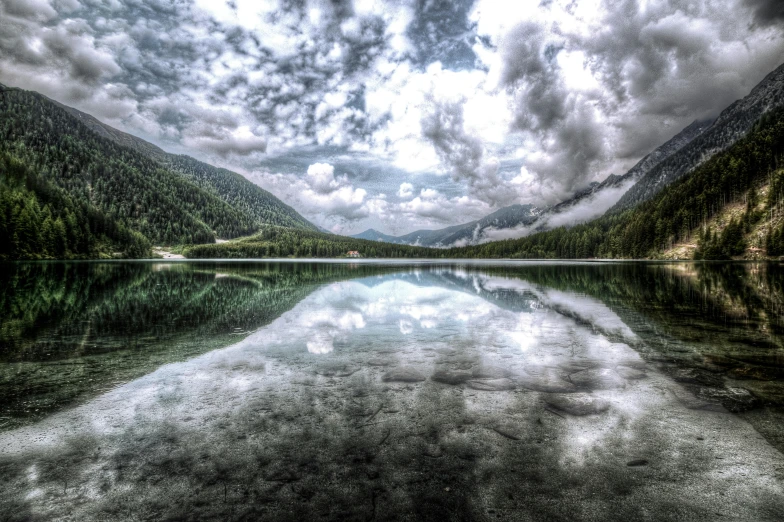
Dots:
pixel 515 391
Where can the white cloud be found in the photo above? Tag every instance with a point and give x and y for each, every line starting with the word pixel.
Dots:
pixel 406 190
pixel 572 91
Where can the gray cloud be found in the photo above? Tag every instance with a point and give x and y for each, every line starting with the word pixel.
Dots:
pixel 767 12
pixel 441 31
pixel 228 145
pixel 563 122
pixel 299 79
pixel 658 67
pixel 443 126
pixel 672 63
pixel 463 153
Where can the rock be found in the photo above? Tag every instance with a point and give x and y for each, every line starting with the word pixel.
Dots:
pixel 543 379
pixel 637 364
pixel 598 379
pixel 450 376
pixel 337 369
pixel 403 374
pixel 510 431
pixel 572 366
pixel 491 384
pixel 380 362
pixel 490 372
pixel 692 402
pixel 630 373
pixel 461 363
pixel 282 475
pixel 736 400
pixel 449 352
pixel 578 404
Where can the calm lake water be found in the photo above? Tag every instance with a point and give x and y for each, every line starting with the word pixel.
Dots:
pixel 389 391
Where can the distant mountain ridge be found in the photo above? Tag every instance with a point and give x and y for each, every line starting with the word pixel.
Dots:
pixel 459 235
pixel 613 187
pixel 681 154
pixel 519 220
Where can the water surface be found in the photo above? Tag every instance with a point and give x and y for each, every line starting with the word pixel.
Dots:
pixel 465 391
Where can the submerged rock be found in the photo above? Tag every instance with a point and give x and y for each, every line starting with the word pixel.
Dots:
pixel 433 451
pixel 403 374
pixel 572 366
pixel 508 430
pixel 543 379
pixel 282 474
pixel 380 362
pixel 450 376
pixel 735 399
pixel 578 404
pixel 598 379
pixel 337 369
pixel 630 373
pixel 449 352
pixel 490 372
pixel 491 384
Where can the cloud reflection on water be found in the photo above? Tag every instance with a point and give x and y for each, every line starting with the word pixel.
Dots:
pixel 391 377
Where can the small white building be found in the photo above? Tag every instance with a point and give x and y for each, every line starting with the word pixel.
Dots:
pixel 353 253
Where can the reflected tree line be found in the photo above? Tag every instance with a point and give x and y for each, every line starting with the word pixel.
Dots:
pixel 70 330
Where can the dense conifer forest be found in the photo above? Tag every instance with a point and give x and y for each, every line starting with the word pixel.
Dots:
pixel 640 232
pixel 67 191
pixel 287 242
pixel 39 220
pixel 172 201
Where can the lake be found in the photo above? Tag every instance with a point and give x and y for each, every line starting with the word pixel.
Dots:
pixel 391 391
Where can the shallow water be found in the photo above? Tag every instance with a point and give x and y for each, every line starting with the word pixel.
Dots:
pixel 465 391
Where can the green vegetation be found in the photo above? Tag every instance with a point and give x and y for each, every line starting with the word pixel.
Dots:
pixel 774 241
pixel 71 191
pixel 168 201
pixel 239 193
pixel 284 242
pixel 72 330
pixel 659 222
pixel 39 220
pixel 640 232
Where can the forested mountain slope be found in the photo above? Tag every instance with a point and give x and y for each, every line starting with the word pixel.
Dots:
pixel 132 184
pixel 229 186
pixel 593 194
pixel 731 125
pixel 521 220
pixel 41 220
pixel 678 210
pixel 683 209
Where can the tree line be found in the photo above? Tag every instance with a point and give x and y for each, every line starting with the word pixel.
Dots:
pixel 175 200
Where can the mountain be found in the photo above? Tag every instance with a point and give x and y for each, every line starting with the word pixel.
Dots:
pixel 593 201
pixel 460 235
pixel 229 186
pixel 730 206
pixel 731 125
pixel 691 147
pixel 374 235
pixel 113 181
pixel 520 220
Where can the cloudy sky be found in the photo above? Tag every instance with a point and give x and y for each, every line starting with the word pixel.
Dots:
pixel 402 114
